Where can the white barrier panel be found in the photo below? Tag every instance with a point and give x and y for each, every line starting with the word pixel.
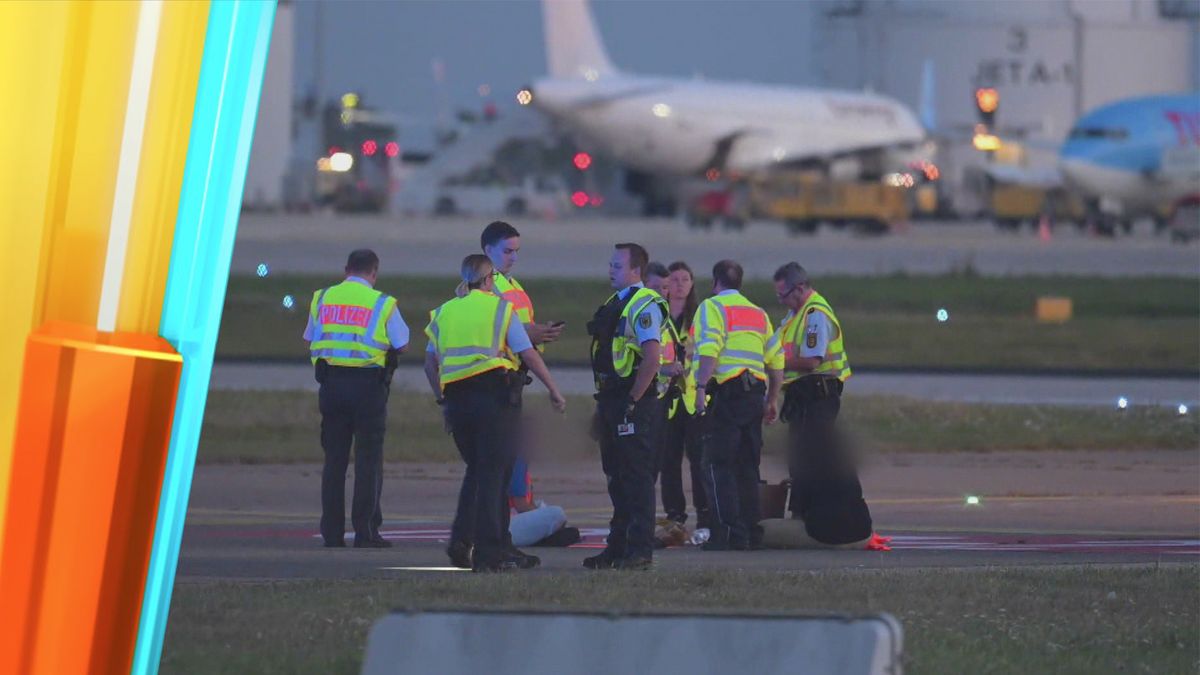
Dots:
pixel 525 643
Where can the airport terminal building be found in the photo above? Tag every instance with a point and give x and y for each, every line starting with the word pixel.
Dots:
pixel 1050 61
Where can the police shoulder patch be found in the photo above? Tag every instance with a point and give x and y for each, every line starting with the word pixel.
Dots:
pixel 810 339
pixel 644 320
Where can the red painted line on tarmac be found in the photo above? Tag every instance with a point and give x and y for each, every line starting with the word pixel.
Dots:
pixel 995 543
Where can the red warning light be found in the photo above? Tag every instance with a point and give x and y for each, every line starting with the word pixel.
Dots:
pixel 582 161
pixel 392 149
pixel 580 199
pixel 369 148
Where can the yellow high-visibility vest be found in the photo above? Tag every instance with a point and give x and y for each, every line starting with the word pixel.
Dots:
pixel 510 289
pixel 738 334
pixel 626 350
pixel 834 363
pixel 350 322
pixel 470 336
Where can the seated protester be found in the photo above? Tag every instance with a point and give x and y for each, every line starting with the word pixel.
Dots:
pixel 535 523
pixel 791 533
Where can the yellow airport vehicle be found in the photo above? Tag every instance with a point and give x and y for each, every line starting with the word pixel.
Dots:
pixel 804 201
pixel 1011 206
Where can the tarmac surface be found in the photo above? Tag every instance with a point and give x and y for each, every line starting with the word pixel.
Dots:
pixel 579 247
pixel 1052 390
pixel 1045 508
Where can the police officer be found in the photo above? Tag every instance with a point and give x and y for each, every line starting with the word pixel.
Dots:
pixel 738 356
pixel 626 335
pixel 501 243
pixel 475 341
pixel 351 329
pixel 826 492
pixel 674 378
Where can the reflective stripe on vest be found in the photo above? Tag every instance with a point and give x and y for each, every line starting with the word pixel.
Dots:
pixel 746 330
pixel 470 336
pixel 834 363
pixel 350 325
pixel 669 353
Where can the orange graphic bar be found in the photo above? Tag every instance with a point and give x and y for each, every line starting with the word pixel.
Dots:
pixel 91 442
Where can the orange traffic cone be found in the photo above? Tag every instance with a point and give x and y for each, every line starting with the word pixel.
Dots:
pixel 1044 228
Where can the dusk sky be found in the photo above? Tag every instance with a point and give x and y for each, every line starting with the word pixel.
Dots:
pixel 385 47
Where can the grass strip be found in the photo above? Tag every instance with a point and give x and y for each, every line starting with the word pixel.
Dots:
pixel 889 321
pixel 1043 620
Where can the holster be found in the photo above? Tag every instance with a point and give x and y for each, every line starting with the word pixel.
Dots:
pixel 516 381
pixel 390 362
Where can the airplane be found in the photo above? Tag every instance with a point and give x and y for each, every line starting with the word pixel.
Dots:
pixel 662 127
pixel 1131 157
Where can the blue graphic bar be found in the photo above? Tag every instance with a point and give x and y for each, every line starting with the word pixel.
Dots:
pixel 231 76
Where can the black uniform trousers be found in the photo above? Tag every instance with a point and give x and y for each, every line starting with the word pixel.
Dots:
pixel 681 437
pixel 731 438
pixel 353 404
pixel 483 419
pixel 826 492
pixel 630 462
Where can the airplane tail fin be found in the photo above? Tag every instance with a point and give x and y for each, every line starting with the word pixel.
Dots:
pixel 928 103
pixel 573 45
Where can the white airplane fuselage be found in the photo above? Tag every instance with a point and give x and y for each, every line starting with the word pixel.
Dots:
pixel 671 126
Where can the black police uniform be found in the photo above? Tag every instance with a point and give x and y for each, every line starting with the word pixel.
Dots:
pixel 483 415
pixel 826 492
pixel 628 456
pixel 353 404
pixel 731 436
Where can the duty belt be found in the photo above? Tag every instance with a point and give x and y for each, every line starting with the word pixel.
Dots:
pixel 817 387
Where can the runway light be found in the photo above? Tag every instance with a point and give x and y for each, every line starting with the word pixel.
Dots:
pixel 661 110
pixel 369 148
pixel 1183 409
pixel 1122 403
pixel 262 270
pixel 392 149
pixel 582 161
pixel 579 199
pixel 288 302
pixel 341 161
pixel 943 316
pixel 972 500
pixel 524 97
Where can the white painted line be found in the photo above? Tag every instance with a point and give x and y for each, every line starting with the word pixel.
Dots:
pixel 146 44
pixel 426 569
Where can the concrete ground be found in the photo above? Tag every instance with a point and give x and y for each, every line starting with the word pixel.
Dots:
pixel 1050 390
pixel 579 247
pixel 260 522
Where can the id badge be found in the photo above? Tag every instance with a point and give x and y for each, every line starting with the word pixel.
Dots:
pixel 625 429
